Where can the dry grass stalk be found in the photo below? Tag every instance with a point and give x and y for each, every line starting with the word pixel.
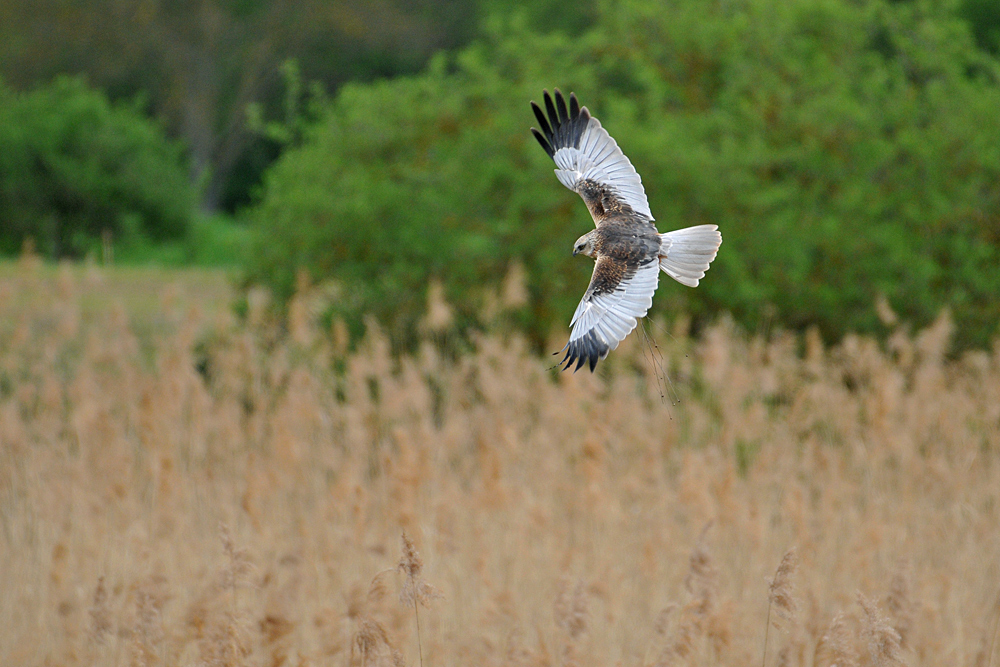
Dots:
pixel 995 634
pixel 779 595
pixel 701 579
pixel 515 290
pixel 371 646
pixel 238 568
pixel 571 615
pixel 377 590
pixel 836 648
pixel 147 630
pixel 663 619
pixel 439 313
pixel 571 608
pixel 694 617
pixel 136 412
pixel 682 639
pixel 897 602
pixel 225 637
pixel 415 588
pixel 881 638
pixel 100 614
pixel 517 655
pixel 780 591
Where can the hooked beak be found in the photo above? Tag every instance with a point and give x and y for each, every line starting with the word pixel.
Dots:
pixel 575 252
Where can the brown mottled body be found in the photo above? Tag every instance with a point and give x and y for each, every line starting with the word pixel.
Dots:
pixel 603 202
pixel 622 242
pixel 621 246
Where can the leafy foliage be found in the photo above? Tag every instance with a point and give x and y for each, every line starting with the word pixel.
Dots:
pixel 74 166
pixel 984 17
pixel 847 150
pixel 201 62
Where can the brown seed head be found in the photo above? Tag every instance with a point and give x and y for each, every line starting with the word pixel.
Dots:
pixel 239 567
pixel 835 647
pixel 571 609
pixel 410 563
pixel 100 614
pixel 897 601
pixel 701 577
pixel 415 588
pixel 882 638
pixel 780 591
pixel 371 647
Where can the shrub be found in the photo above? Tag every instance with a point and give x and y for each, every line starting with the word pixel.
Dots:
pixel 74 166
pixel 846 152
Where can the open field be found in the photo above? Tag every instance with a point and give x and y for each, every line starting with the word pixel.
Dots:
pixel 180 488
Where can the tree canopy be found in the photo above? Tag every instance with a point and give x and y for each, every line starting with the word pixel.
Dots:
pixel 74 167
pixel 201 62
pixel 847 150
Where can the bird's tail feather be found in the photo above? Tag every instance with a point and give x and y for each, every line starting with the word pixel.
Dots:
pixel 686 253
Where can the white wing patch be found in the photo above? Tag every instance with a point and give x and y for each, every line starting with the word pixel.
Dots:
pixel 583 150
pixel 613 316
pixel 601 160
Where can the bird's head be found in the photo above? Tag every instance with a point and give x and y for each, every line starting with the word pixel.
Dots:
pixel 584 245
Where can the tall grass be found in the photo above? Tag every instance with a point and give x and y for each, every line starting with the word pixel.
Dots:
pixel 178 488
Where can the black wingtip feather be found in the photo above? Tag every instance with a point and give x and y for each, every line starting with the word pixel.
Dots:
pixel 543 122
pixel 545 144
pixel 551 110
pixel 561 107
pixel 559 127
pixel 588 349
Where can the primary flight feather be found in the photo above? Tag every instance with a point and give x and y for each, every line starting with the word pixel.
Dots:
pixel 628 250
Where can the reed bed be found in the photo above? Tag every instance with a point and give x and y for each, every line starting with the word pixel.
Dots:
pixel 182 487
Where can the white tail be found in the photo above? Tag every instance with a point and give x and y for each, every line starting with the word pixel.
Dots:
pixel 686 253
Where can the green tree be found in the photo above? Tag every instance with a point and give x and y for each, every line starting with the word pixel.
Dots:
pixel 201 62
pixel 847 150
pixel 984 17
pixel 73 167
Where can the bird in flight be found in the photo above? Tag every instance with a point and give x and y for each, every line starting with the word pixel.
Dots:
pixel 628 250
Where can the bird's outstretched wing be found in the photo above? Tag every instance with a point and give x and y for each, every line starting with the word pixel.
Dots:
pixel 587 155
pixel 618 295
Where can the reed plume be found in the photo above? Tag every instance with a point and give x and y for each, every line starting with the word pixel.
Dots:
pixel 779 594
pixel 415 590
pixel 371 646
pixel 995 635
pixel 100 614
pixel 835 647
pixel 571 615
pixel 137 410
pixel 881 638
pixel 898 604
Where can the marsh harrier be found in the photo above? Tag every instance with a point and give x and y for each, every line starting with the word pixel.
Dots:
pixel 628 249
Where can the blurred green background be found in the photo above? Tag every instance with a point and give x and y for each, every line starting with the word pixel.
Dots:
pixel 849 150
